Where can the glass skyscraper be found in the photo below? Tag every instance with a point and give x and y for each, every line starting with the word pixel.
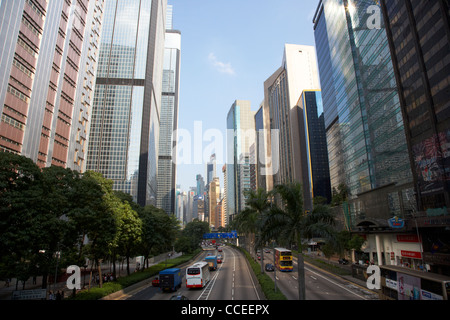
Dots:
pixel 169 118
pixel 363 119
pixel 310 147
pixel 124 134
pixel 419 39
pixel 419 35
pixel 240 136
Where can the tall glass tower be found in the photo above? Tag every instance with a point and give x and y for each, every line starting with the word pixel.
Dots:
pixel 124 132
pixel 169 118
pixel 362 111
pixel 240 136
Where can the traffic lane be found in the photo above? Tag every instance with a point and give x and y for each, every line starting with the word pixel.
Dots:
pixel 155 293
pixel 319 285
pixel 219 287
pixel 286 282
pixel 243 281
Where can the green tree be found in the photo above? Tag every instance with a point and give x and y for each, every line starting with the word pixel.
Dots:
pixel 290 223
pixel 191 236
pixel 252 219
pixel 159 231
pixel 129 231
pixel 102 229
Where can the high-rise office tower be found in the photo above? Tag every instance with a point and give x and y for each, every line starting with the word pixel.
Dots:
pixel 282 91
pixel 419 42
pixel 169 117
pixel 240 136
pixel 48 63
pixel 363 120
pixel 308 134
pixel 420 47
pixel 124 135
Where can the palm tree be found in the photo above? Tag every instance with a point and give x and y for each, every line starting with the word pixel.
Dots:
pixel 251 220
pixel 289 222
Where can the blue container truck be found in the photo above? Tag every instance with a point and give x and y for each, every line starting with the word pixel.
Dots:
pixel 170 279
pixel 212 262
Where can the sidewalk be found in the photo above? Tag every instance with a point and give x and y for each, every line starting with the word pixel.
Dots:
pixel 6 292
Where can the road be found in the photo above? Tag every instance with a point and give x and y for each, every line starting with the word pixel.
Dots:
pixel 320 285
pixel 231 281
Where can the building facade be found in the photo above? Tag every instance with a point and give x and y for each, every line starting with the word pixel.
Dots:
pixel 419 42
pixel 49 59
pixel 282 91
pixel 240 136
pixel 124 134
pixel 362 111
pixel 310 148
pixel 169 118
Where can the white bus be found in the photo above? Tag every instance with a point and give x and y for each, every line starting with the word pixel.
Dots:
pixel 197 275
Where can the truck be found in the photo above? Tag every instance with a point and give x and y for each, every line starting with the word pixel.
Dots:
pixel 212 262
pixel 170 279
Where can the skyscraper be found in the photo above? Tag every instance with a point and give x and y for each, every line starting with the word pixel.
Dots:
pixel 124 135
pixel 48 61
pixel 310 147
pixel 362 110
pixel 419 42
pixel 169 117
pixel 211 169
pixel 420 47
pixel 282 90
pixel 240 136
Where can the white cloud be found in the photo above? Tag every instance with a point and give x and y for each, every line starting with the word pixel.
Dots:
pixel 221 66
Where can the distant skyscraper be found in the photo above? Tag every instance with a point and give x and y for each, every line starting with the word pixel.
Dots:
pixel 211 169
pixel 200 185
pixel 240 136
pixel 169 118
pixel 124 135
pixel 362 110
pixel 48 63
pixel 282 91
pixel 213 199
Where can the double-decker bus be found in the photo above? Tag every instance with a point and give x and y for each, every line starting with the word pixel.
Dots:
pixel 283 259
pixel 398 283
pixel 197 275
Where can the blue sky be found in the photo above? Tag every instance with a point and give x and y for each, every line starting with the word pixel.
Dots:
pixel 228 49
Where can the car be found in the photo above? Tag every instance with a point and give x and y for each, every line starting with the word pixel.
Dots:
pixel 343 261
pixel 219 260
pixel 267 251
pixel 270 267
pixel 178 297
pixel 155 282
pixel 220 249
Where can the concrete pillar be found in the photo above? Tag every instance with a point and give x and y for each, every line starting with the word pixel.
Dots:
pixel 378 245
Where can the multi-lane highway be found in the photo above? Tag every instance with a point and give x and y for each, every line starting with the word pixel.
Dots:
pixel 233 280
